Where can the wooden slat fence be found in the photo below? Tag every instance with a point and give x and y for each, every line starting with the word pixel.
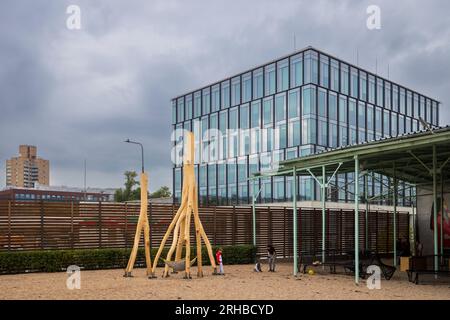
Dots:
pixel 27 225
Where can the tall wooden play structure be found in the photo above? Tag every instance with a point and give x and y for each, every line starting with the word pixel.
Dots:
pixel 181 223
pixel 141 225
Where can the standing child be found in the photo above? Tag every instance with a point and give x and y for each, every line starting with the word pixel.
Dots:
pixel 219 261
pixel 272 256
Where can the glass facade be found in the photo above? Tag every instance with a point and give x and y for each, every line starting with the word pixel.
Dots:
pixel 295 106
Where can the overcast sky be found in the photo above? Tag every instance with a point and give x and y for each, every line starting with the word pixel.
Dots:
pixel 77 94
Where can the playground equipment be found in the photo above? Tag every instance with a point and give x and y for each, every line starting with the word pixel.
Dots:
pixel 181 223
pixel 141 225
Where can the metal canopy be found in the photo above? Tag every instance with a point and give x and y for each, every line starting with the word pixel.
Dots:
pixel 416 158
pixel 410 152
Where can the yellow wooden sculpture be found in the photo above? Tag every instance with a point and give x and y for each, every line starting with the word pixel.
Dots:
pixel 181 223
pixel 142 224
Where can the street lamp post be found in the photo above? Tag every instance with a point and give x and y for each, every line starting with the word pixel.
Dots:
pixel 142 151
pixel 143 223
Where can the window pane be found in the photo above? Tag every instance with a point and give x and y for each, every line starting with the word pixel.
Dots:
pixel 256 107
pixel 215 103
pixel 380 92
pixel 395 98
pixel 280 107
pixel 387 95
pixel 174 112
pixel 258 84
pixel 270 79
pixel 267 111
pixel 352 112
pixel 322 103
pixel 197 104
pixel 354 83
pixel 283 75
pixel 363 86
pixel 235 91
pixel 371 89
pixel 206 101
pixel 332 107
pixel 344 78
pixel 246 87
pixel 370 117
pixel 311 67
pixel 361 115
pixel 294 133
pixel 324 71
pixel 309 131
pixel 225 94
pixel 309 100
pixel 294 104
pixel 343 112
pixel 334 75
pixel 296 71
pixel 244 118
pixel 188 111
pixel 386 123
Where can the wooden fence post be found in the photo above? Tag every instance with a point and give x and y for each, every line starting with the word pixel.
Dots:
pixel 42 223
pixel 71 225
pixel 388 232
pixel 100 226
pixel 327 242
pixel 233 231
pixel 299 228
pixel 376 230
pixel 126 225
pixel 269 220
pixel 284 231
pixel 150 215
pixel 215 226
pixel 9 225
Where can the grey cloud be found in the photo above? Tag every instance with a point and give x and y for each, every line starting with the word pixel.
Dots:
pixel 78 94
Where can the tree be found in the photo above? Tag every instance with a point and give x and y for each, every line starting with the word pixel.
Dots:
pixel 128 194
pixel 163 192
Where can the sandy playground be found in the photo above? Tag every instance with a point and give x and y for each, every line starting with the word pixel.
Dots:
pixel 240 282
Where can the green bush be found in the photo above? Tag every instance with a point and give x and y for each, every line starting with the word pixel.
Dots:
pixel 93 259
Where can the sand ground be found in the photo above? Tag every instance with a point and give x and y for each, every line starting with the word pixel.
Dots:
pixel 240 282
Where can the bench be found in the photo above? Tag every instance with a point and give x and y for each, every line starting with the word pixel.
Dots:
pixel 426 265
pixel 369 259
pixel 333 259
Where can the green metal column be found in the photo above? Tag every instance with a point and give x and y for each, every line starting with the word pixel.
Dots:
pixel 394 200
pixel 366 190
pixel 253 212
pixel 356 181
pixel 442 213
pixel 323 189
pixel 435 227
pixel 294 212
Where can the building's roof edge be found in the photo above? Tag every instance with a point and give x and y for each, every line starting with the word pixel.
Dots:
pixel 309 47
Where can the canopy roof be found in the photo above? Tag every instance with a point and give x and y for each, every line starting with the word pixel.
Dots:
pixel 411 155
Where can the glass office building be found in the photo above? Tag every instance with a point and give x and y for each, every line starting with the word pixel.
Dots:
pixel 300 104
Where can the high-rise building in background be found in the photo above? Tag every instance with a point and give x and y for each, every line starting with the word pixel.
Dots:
pixel 27 169
pixel 297 105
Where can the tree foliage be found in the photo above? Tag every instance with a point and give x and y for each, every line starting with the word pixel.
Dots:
pixel 130 193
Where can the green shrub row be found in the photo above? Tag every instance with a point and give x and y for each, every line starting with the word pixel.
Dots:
pixel 94 259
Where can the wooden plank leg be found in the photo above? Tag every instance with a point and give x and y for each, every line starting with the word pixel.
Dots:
pixel 173 246
pixel 133 254
pixel 199 245
pixel 181 240
pixel 187 274
pixel 208 248
pixel 148 258
pixel 166 236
